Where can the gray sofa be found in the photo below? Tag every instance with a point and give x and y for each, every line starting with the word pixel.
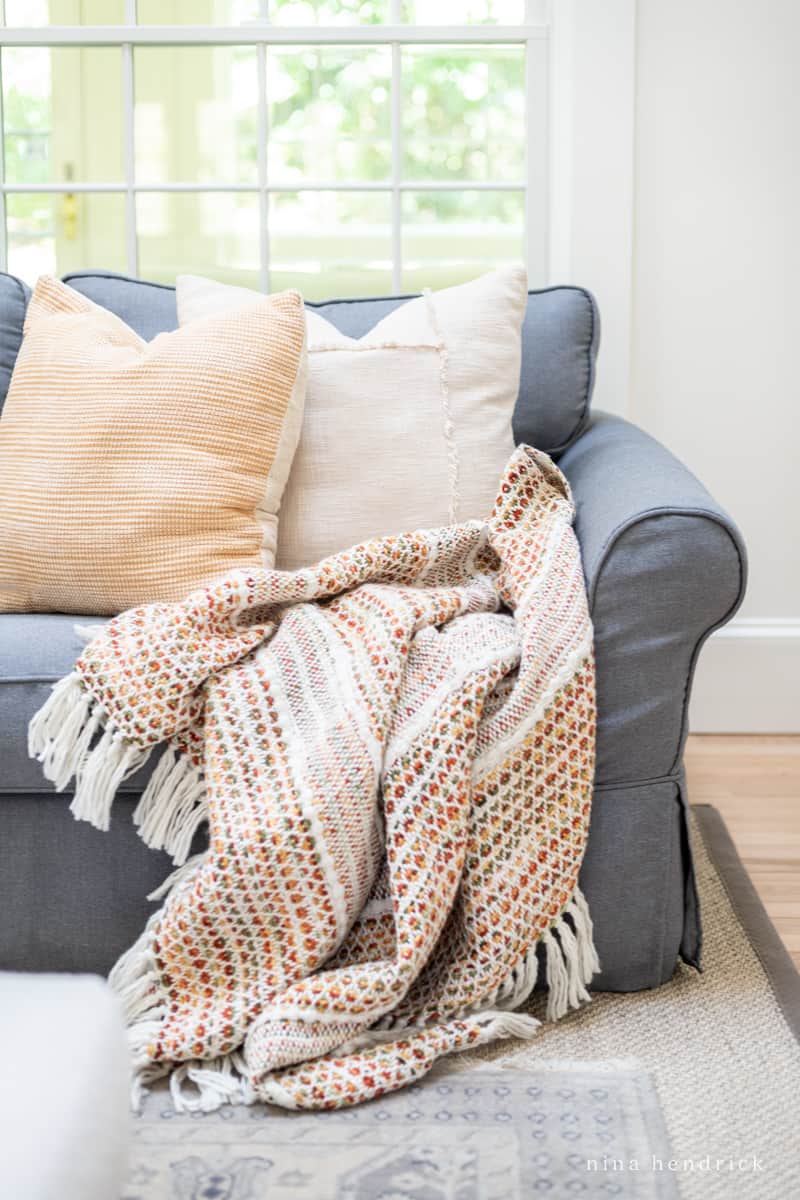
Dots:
pixel 664 566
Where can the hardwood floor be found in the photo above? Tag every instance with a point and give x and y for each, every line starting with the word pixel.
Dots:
pixel 755 784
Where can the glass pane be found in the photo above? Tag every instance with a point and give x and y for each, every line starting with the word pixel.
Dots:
pixel 205 233
pixel 331 243
pixel 463 12
pixel 329 114
pixel 62 114
pixel 53 234
pixel 450 237
pixel 65 12
pixel 329 12
pixel 464 113
pixel 196 12
pixel 196 114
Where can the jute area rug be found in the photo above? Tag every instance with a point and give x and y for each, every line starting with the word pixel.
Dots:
pixel 687 1091
pixel 722 1047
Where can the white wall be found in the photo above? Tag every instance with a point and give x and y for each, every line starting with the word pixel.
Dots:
pixel 591 171
pixel 715 332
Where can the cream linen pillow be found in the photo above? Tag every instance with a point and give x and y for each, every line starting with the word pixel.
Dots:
pixel 407 427
pixel 134 472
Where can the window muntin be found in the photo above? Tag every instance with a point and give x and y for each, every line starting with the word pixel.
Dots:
pixel 275 153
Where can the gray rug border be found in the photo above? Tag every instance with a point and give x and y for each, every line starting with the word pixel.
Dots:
pixel 751 914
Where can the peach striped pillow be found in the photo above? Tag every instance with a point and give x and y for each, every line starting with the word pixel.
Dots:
pixel 134 472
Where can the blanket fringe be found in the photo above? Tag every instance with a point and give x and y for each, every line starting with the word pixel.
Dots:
pixel 497 1025
pixel 102 771
pixel 60 736
pixel 520 983
pixel 571 958
pixel 135 980
pixel 578 909
pixel 60 732
pixel 177 878
pixel 172 806
pixel 206 1086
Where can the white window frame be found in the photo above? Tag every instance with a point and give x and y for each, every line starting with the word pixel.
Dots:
pixel 533 36
pixel 579 171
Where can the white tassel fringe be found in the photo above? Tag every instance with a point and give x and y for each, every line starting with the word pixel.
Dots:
pixel 571 958
pixel 578 910
pixel 178 878
pixel 135 980
pixel 520 983
pixel 66 697
pixel 172 807
pixel 212 1083
pixel 60 737
pixel 102 771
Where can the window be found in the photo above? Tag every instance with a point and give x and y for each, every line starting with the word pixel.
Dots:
pixel 340 146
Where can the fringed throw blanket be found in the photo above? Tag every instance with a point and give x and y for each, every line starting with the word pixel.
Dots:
pixel 394 753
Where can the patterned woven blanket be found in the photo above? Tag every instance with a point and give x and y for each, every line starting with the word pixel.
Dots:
pixel 394 753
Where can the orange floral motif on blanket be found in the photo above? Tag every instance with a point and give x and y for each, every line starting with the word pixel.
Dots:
pixel 394 753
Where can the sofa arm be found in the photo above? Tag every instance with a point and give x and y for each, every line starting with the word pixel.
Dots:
pixel 664 567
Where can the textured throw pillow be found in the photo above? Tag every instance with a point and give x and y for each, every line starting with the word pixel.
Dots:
pixel 134 472
pixel 407 427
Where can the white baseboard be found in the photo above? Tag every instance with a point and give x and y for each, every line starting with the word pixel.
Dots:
pixel 748 678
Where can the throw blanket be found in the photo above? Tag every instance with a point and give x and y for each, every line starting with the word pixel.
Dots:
pixel 394 752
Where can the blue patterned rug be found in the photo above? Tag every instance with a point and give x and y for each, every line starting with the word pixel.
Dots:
pixel 559 1130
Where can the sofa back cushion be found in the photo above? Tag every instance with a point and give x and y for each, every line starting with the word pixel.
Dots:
pixel 560 335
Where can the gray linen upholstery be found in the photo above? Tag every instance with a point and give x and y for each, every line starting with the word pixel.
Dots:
pixel 149 308
pixel 72 897
pixel 664 566
pixel 13 303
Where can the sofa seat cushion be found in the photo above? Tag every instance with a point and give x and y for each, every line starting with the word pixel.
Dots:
pixel 36 650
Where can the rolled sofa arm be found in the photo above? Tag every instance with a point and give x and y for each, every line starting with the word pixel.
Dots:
pixel 664 567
